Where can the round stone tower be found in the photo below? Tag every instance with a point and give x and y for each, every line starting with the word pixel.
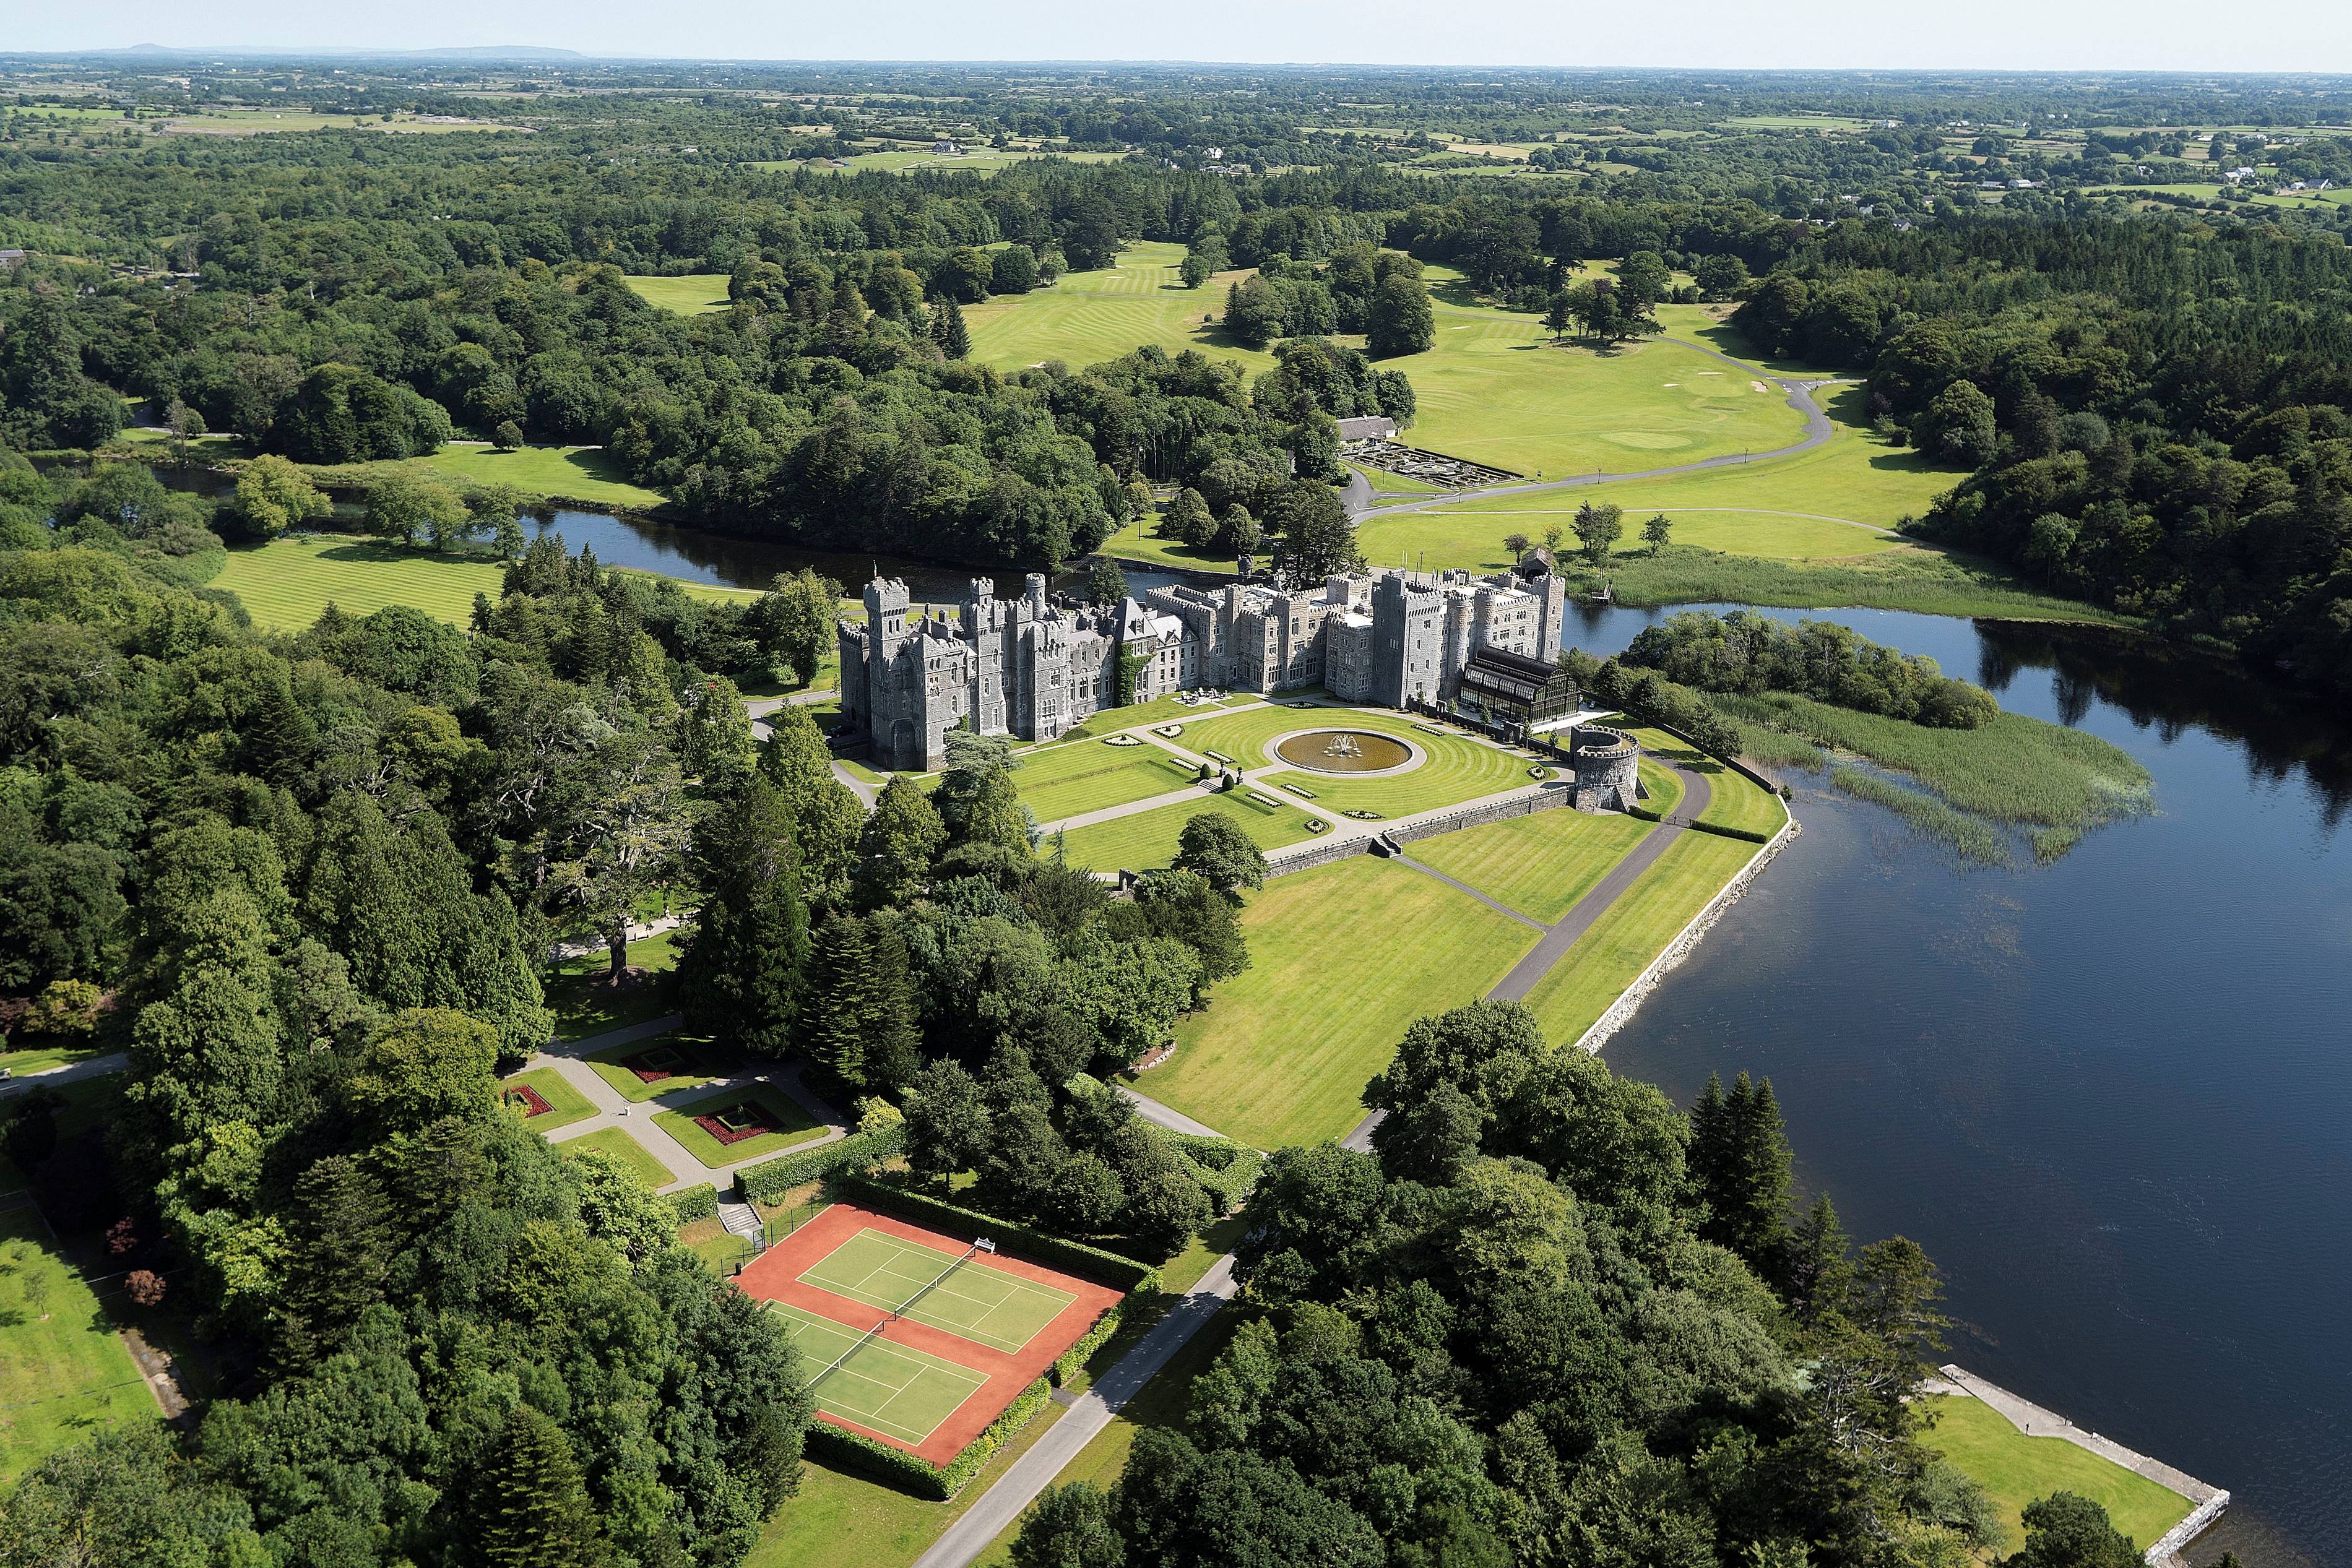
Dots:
pixel 1607 766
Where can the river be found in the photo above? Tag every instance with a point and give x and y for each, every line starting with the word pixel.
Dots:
pixel 2109 1095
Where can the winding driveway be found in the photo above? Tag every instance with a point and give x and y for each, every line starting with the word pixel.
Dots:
pixel 1799 391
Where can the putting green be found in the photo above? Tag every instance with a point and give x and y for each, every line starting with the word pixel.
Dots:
pixel 884 1387
pixel 961 1295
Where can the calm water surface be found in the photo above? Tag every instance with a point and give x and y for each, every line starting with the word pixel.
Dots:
pixel 2112 1096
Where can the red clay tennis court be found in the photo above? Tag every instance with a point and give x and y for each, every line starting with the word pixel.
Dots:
pixel 962 1333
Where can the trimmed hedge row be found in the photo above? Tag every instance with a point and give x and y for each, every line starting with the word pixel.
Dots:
pixel 1225 1170
pixel 1108 1267
pixel 1745 835
pixel 698 1202
pixel 762 1183
pixel 855 1451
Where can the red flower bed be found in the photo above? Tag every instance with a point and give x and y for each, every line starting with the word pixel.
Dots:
pixel 532 1103
pixel 652 1066
pixel 744 1119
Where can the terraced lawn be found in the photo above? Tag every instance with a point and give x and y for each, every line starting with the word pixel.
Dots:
pixel 1539 865
pixel 64 1370
pixel 1283 1050
pixel 2017 1470
pixel 1148 839
pixel 1635 930
pixel 565 1104
pixel 793 1125
pixel 1064 780
pixel 633 1158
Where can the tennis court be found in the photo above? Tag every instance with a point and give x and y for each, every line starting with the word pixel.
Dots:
pixel 952 1292
pixel 893 1389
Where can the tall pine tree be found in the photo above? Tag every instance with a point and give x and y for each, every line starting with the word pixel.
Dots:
pixel 742 973
pixel 1738 1160
pixel 534 1510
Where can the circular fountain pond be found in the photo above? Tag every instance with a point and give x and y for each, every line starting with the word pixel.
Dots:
pixel 1344 751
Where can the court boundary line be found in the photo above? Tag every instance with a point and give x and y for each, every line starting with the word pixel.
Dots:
pixel 970 1378
pixel 1029 1289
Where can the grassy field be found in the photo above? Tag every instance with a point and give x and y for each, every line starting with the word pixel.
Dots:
pixel 64 1370
pixel 1662 786
pixel 795 1126
pixel 575 473
pixel 287 582
pixel 2017 1470
pixel 699 1067
pixel 1148 839
pixel 617 1142
pixel 1282 1052
pixel 565 1104
pixel 1057 781
pixel 1090 317
pixel 1625 940
pixel 692 295
pixel 1539 865
pixel 41 1058
pixel 584 1008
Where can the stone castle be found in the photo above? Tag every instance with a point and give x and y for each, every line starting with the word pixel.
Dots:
pixel 1034 669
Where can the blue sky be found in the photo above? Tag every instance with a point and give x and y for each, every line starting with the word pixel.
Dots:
pixel 2052 35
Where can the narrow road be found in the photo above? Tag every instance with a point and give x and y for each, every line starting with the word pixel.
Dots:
pixel 1799 389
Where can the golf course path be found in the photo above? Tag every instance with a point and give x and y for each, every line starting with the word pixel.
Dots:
pixel 1799 391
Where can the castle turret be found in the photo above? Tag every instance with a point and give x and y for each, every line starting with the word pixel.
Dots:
pixel 1035 590
pixel 1608 768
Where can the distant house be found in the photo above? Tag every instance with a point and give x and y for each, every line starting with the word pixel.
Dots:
pixel 10 259
pixel 1371 427
pixel 943 145
pixel 1214 154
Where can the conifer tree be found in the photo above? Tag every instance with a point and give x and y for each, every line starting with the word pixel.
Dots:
pixel 1739 1160
pixel 840 972
pixel 535 1511
pixel 341 1242
pixel 949 331
pixel 1815 1273
pixel 742 971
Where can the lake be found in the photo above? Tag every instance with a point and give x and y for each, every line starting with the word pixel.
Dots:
pixel 2110 1096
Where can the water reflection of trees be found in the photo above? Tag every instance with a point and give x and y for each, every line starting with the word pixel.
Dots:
pixel 2282 732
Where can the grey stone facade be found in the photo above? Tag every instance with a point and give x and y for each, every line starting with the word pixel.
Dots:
pixel 1607 763
pixel 1034 669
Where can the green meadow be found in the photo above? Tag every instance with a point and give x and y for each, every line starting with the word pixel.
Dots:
pixel 1283 1050
pixel 64 1370
pixel 1086 317
pixel 574 473
pixel 692 294
pixel 2017 1470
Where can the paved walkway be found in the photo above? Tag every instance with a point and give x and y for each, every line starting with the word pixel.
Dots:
pixel 995 1510
pixel 568 1058
pixel 70 1072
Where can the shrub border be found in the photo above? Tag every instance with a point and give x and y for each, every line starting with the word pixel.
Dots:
pixel 760 1183
pixel 911 1472
pixel 698 1202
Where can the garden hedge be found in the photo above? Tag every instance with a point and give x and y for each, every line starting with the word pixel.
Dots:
pixel 1093 1262
pixel 762 1183
pixel 698 1202
pixel 1226 1170
pixel 855 1451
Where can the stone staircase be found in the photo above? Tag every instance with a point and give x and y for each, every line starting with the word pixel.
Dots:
pixel 741 1219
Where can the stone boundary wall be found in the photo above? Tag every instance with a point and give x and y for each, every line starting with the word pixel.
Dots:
pixel 1310 855
pixel 1631 998
pixel 1480 816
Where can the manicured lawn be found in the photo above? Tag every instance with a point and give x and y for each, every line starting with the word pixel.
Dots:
pixel 583 1007
pixel 1160 710
pixel 41 1058
pixel 1148 839
pixel 64 1370
pixel 617 1142
pixel 1341 959
pixel 287 582
pixel 1090 317
pixel 701 1061
pixel 579 473
pixel 1456 771
pixel 2017 1470
pixel 1064 780
pixel 1539 865
pixel 781 1110
pixel 1635 930
pixel 691 295
pixel 1663 786
pixel 565 1104
pixel 1734 800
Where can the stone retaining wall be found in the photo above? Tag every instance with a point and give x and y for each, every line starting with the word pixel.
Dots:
pixel 1623 1007
pixel 1479 815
